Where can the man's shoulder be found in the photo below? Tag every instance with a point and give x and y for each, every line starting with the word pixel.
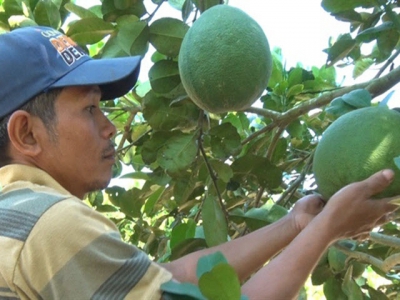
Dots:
pixel 22 207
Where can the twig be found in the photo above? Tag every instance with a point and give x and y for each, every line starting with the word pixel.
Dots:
pixel 213 177
pixel 127 129
pixel 265 129
pixel 384 239
pixel 154 12
pixel 268 155
pixel 288 193
pixel 209 168
pixel 385 265
pixel 387 64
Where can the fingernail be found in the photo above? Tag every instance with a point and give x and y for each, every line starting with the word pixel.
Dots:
pixel 388 174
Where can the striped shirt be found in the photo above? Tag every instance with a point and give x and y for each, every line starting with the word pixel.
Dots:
pixel 54 246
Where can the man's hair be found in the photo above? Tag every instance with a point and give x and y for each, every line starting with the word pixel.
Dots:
pixel 41 106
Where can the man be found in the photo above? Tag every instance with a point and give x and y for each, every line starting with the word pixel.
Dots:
pixel 55 146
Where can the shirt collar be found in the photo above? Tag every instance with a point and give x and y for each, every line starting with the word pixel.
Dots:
pixel 16 173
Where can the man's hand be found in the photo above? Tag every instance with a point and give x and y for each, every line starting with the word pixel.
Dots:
pixel 305 210
pixel 352 211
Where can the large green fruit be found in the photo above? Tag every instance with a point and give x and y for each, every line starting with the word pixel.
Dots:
pixel 225 60
pixel 355 146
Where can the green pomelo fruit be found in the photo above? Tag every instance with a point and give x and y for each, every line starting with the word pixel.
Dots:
pixel 225 61
pixel 355 146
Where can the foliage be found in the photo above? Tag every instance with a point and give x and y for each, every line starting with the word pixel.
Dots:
pixel 201 179
pixel 217 280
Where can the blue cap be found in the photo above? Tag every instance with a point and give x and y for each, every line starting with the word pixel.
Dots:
pixel 36 59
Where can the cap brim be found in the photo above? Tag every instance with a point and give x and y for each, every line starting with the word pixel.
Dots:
pixel 115 76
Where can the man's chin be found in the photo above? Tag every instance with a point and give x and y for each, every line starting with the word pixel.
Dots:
pixel 99 185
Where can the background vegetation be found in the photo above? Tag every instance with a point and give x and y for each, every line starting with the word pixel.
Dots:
pixel 201 179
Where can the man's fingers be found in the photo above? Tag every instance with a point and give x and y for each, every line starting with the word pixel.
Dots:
pixel 377 182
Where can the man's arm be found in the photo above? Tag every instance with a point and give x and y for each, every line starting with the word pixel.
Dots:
pixel 349 212
pixel 249 253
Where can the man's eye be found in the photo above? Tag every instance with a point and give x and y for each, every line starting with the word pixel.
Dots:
pixel 91 108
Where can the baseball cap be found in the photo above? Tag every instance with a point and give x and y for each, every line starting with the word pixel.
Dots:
pixel 36 59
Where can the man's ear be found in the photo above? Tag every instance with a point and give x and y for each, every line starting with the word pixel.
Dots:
pixel 22 131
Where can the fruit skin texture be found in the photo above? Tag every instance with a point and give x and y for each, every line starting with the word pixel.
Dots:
pixel 225 60
pixel 355 146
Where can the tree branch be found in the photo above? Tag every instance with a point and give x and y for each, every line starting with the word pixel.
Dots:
pixel 127 130
pixel 266 113
pixel 376 87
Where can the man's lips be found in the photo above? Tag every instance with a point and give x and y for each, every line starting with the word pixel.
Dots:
pixel 109 153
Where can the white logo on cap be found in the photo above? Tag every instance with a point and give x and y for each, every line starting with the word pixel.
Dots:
pixel 65 46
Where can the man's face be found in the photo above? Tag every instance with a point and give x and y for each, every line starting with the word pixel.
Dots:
pixel 80 155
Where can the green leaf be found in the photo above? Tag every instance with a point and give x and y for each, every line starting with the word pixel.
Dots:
pixel 362 65
pixel 207 262
pixel 340 49
pixel 133 35
pixel 222 170
pixel 335 6
pixel 295 129
pixel 240 121
pixel 355 99
pixel 225 140
pixel 79 10
pixel 183 188
pixel 220 283
pixel 376 294
pixel 20 21
pixel 350 287
pixel 17 7
pixel 47 14
pixel 130 202
pixel 373 33
pixel 111 13
pixel 151 147
pixel 277 68
pixel 182 232
pixel 178 152
pixel 387 42
pixel 112 48
pixel 267 174
pixel 187 246
pixel 321 274
pixel 298 75
pixel 188 289
pixel 336 259
pixel 358 98
pixel 257 217
pixel 177 4
pixel 338 107
pixel 89 30
pixel 122 4
pixel 164 76
pixel 333 289
pixel 187 9
pixel 162 115
pixel 152 200
pixel 106 208
pixel 166 35
pixel 397 161
pixel 203 5
pixel 295 90
pixel 214 222
pixel 280 151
